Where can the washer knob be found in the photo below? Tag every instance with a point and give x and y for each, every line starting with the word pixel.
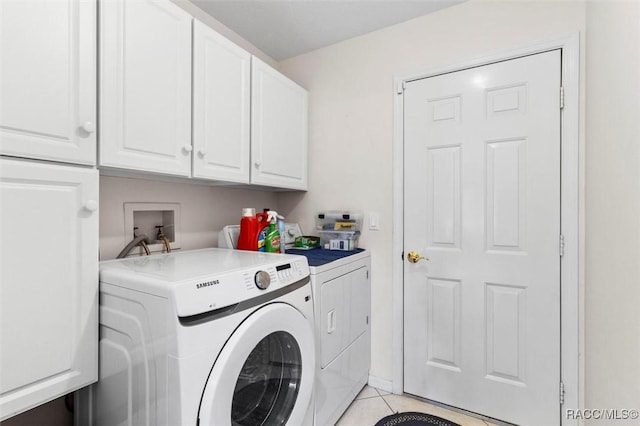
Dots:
pixel 262 280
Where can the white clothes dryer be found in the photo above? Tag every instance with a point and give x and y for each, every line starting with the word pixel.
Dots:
pixel 342 304
pixel 208 337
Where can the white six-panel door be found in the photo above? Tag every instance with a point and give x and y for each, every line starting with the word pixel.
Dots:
pixel 482 202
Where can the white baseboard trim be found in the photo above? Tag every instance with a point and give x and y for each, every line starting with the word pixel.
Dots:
pixel 382 384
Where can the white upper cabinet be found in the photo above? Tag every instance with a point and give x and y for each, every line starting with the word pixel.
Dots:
pixel 48 80
pixel 278 129
pixel 221 107
pixel 145 86
pixel 48 282
pixel 249 121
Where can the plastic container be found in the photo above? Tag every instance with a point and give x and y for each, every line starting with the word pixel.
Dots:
pixel 272 239
pixel 339 240
pixel 338 221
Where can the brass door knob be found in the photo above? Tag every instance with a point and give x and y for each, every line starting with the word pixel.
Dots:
pixel 414 257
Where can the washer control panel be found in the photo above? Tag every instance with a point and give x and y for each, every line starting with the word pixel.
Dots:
pixel 244 275
pixel 288 272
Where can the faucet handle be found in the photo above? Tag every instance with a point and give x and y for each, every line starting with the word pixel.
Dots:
pixel 160 231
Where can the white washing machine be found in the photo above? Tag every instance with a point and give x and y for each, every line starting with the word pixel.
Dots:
pixel 208 337
pixel 341 286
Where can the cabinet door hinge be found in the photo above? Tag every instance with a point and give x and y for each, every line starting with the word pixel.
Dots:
pixel 561 97
pixel 561 247
pixel 400 88
pixel 561 393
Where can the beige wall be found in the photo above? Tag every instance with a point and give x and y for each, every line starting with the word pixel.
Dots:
pixel 204 209
pixel 613 206
pixel 351 116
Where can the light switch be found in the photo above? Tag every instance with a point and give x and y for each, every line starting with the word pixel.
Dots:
pixel 374 221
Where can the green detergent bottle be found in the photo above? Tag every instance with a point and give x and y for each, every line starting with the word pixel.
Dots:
pixel 272 239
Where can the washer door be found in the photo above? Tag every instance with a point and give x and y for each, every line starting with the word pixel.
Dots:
pixel 264 373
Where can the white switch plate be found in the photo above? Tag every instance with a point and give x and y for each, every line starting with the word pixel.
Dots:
pixel 374 221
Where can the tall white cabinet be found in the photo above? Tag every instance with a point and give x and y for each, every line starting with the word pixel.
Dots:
pixel 145 86
pixel 48 282
pixel 48 210
pixel 48 80
pixel 221 107
pixel 278 129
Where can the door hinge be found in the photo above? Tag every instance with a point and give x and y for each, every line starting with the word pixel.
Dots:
pixel 561 245
pixel 402 256
pixel 561 393
pixel 367 274
pixel 400 88
pixel 561 97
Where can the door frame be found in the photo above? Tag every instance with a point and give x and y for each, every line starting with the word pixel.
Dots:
pixel 571 216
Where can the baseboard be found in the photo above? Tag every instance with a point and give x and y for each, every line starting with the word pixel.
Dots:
pixel 382 384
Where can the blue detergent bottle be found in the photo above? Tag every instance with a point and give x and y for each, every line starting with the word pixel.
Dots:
pixel 282 229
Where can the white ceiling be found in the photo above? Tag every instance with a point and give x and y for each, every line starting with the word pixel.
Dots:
pixel 286 28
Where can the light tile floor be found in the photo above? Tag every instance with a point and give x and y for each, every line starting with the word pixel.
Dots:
pixel 373 404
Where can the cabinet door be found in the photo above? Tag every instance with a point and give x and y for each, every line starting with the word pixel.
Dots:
pixel 48 282
pixel 145 86
pixel 221 97
pixel 278 129
pixel 48 80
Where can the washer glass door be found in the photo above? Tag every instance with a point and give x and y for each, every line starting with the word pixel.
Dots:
pixel 269 382
pixel 264 374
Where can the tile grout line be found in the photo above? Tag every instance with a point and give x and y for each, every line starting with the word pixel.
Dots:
pixel 359 398
pixel 385 401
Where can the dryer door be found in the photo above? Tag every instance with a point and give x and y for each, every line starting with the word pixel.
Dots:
pixel 264 373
